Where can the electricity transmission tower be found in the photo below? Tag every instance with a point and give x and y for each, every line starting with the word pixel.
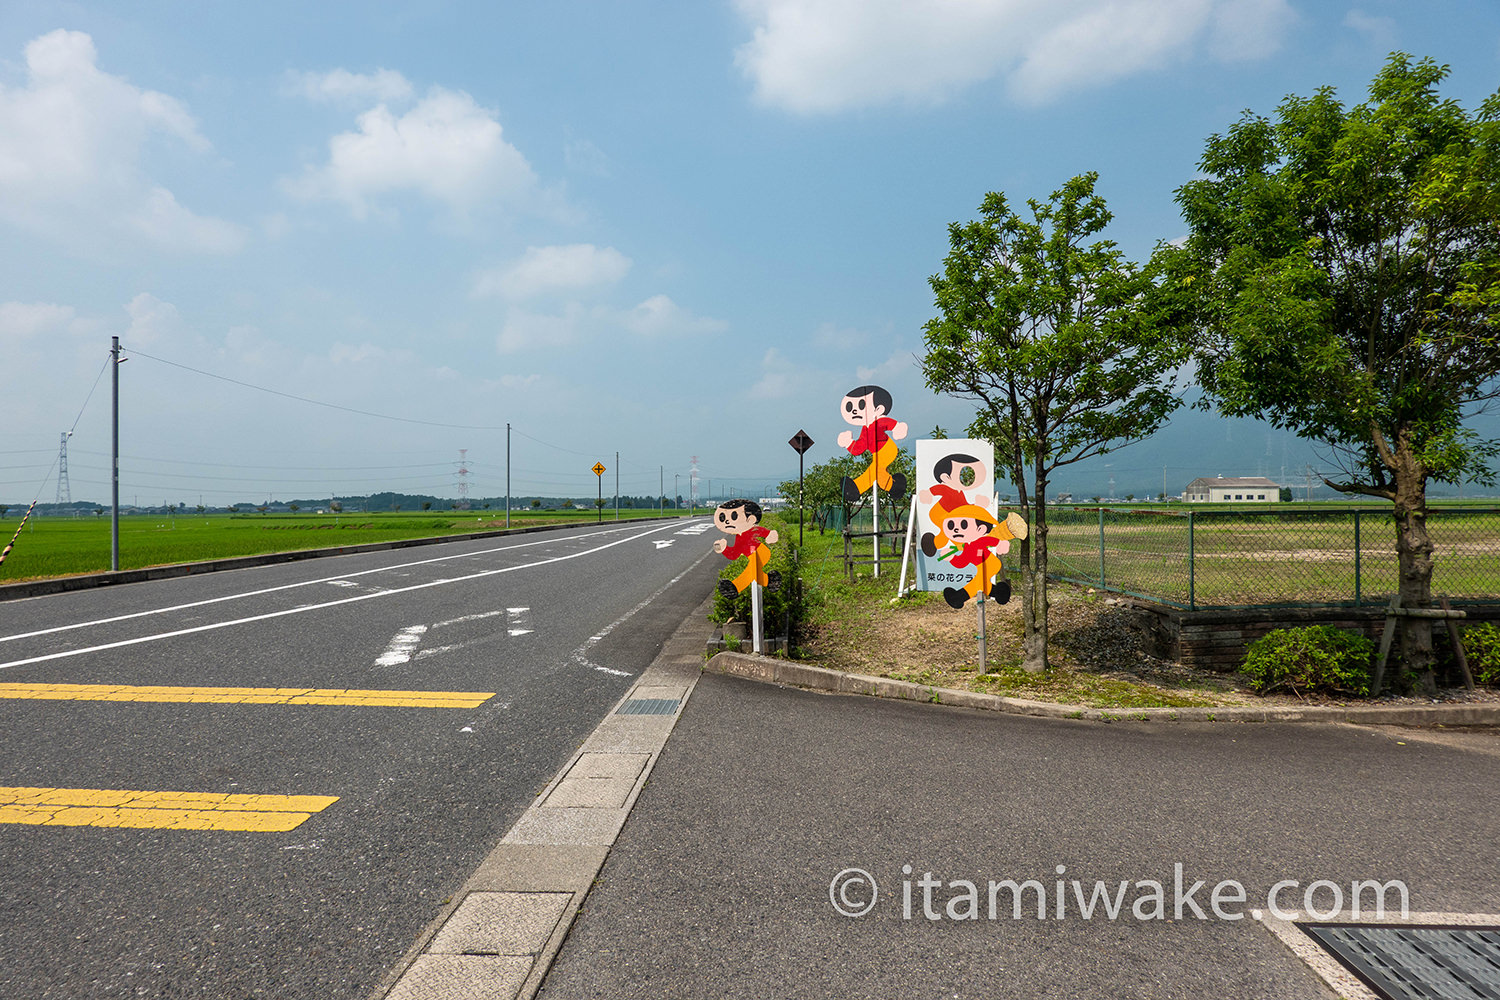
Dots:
pixel 463 482
pixel 64 490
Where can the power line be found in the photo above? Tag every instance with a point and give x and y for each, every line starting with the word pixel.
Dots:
pixel 315 402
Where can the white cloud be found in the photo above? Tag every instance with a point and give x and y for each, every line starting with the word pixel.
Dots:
pixel 1378 30
pixel 544 270
pixel 345 89
pixel 446 148
pixel 820 56
pixel 525 331
pixel 659 316
pixel 71 140
pixel 582 156
pixel 151 320
pixel 25 320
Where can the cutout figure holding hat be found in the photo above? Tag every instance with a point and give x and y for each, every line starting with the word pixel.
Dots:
pixel 868 407
pixel 948 494
pixel 741 518
pixel 972 529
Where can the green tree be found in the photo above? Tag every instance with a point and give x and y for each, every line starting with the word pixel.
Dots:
pixel 1348 263
pixel 535 504
pixel 1065 345
pixel 823 490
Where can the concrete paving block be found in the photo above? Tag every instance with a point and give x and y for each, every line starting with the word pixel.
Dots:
pixel 589 793
pixel 567 826
pixel 462 977
pixel 630 734
pixel 608 765
pixel 539 867
pixel 501 923
pixel 669 692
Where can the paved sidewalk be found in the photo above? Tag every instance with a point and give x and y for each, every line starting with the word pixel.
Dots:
pixel 719 882
pixel 501 931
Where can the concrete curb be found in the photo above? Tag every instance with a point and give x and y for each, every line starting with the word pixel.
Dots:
pixel 499 934
pixel 90 581
pixel 802 675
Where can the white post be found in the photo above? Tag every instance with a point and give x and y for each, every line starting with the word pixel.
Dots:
pixel 983 657
pixel 911 524
pixel 755 605
pixel 875 513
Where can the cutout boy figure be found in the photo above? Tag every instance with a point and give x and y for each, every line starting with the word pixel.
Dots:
pixel 957 496
pixel 868 407
pixel 972 529
pixel 741 518
pixel 947 494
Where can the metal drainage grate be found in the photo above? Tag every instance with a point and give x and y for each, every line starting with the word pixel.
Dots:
pixel 1419 961
pixel 649 706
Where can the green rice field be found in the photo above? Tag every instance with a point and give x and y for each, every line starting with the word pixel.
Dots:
pixel 1225 558
pixel 57 546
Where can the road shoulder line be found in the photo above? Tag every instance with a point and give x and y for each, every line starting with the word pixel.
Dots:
pixel 500 933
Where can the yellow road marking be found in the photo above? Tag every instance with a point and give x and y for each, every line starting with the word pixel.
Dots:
pixel 247 696
pixel 159 810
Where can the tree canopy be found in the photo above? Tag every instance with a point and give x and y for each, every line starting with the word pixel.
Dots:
pixel 1069 349
pixel 1346 266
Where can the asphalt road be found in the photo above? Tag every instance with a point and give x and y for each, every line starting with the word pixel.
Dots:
pixel 719 884
pixel 555 625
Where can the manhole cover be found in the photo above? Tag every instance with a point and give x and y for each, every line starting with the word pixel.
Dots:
pixel 648 706
pixel 1417 962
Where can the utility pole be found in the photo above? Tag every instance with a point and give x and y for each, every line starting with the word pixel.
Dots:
pixel 661 489
pixel 617 486
pixel 114 453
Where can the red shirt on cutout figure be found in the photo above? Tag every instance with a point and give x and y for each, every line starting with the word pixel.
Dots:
pixel 741 518
pixel 868 407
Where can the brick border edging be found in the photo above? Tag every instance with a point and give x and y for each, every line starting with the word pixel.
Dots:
pixel 90 581
pixel 802 675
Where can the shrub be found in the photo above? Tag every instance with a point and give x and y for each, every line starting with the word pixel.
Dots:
pixel 1318 658
pixel 1482 647
pixel 787 599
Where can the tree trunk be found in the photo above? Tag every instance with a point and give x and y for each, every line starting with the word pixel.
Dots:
pixel 1034 645
pixel 1414 561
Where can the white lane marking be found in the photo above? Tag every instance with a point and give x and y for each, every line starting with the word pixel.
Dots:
pixel 662 543
pixel 468 618
pixel 403 644
pixel 520 618
pixel 328 604
pixel 580 655
pixel 696 529
pixel 312 583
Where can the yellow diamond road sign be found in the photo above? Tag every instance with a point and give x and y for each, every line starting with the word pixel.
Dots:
pixel 598 468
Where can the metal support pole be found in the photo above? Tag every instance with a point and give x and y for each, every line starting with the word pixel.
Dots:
pixel 801 463
pixel 114 453
pixel 600 505
pixel 661 489
pixel 1356 560
pixel 617 486
pixel 1192 596
pixel 755 614
pixel 1101 548
pixel 875 513
pixel 983 652
pixel 507 475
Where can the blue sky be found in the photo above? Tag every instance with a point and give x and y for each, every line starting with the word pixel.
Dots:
pixel 668 230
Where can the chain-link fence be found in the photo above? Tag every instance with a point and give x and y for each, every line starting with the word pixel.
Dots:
pixel 1242 558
